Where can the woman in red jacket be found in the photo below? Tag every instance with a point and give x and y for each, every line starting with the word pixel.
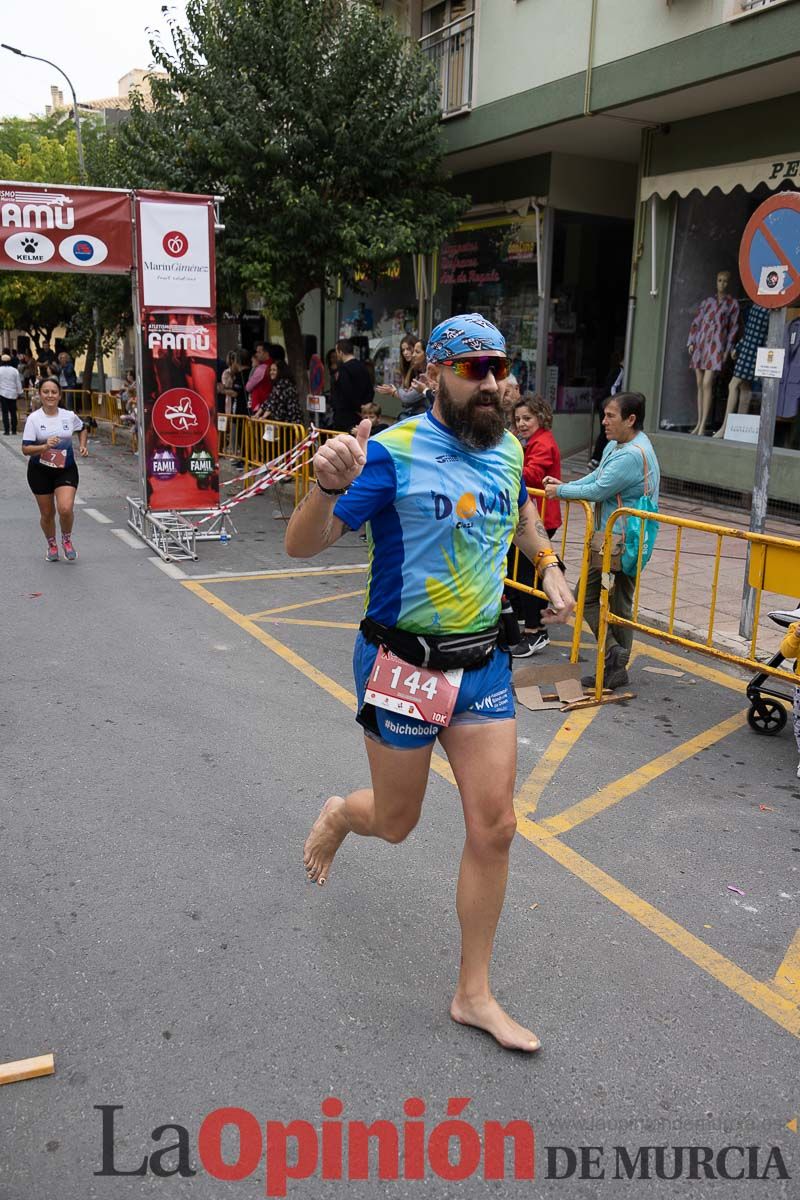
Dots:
pixel 533 418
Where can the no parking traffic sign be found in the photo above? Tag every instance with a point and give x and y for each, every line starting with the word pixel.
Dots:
pixel 769 256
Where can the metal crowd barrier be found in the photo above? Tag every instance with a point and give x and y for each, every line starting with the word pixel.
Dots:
pixel 256 442
pixel 773 566
pixel 74 398
pixel 103 407
pixel 561 541
pixel 308 459
pixel 78 400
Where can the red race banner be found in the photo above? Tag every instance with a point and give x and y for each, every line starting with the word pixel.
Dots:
pixel 179 379
pixel 44 227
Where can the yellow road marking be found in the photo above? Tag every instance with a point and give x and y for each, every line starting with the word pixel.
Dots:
pixel 308 621
pixel 305 668
pixel 527 798
pixel 281 575
pixel 438 763
pixel 768 1001
pixel 270 612
pixel 760 995
pixel 576 814
pixel 787 976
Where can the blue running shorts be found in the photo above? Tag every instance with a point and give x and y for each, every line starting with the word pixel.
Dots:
pixel 485 695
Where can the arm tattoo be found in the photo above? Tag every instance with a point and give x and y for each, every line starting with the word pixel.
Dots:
pixel 540 529
pixel 522 525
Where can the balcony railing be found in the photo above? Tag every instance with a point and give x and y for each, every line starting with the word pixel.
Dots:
pixel 450 50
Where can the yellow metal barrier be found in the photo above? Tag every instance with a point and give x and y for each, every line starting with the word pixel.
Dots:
pixel 110 408
pixel 308 459
pixel 77 399
pixel 256 442
pixel 774 566
pixel 562 535
pixel 231 435
pixel 100 406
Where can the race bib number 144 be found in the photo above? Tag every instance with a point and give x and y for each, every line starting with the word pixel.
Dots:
pixel 400 687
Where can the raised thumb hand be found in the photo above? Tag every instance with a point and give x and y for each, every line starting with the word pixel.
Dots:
pixel 363 432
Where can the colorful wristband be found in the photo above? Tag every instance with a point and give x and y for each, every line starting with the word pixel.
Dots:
pixel 541 555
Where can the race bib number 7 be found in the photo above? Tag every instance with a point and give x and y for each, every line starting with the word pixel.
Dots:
pixel 53 458
pixel 400 687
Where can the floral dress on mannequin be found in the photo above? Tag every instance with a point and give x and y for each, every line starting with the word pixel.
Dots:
pixel 713 333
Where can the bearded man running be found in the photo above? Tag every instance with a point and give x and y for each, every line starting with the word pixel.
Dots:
pixel 442 495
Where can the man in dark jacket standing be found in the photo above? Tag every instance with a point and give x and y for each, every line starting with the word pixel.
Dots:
pixel 352 388
pixel 68 379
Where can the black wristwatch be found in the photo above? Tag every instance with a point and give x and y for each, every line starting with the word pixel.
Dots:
pixel 331 491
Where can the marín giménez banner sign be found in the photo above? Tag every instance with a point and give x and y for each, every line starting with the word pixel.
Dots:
pixel 54 227
pixel 176 261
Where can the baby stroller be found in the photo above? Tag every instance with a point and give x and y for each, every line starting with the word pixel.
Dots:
pixel 766 714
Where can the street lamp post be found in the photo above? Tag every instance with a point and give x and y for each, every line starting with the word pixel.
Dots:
pixel 36 58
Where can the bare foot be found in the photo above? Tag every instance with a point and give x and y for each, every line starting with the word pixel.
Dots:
pixel 326 836
pixel 487 1014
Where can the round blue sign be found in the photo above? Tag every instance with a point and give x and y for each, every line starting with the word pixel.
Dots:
pixel 83 250
pixel 769 256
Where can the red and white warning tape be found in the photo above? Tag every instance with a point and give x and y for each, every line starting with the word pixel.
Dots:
pixel 278 470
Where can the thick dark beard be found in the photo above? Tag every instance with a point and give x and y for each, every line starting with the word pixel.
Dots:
pixel 472 422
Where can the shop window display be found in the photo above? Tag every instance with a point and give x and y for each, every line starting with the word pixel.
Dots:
pixel 713 329
pixel 492 270
pixel 378 317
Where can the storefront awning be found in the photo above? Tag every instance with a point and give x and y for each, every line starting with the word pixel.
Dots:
pixel 775 172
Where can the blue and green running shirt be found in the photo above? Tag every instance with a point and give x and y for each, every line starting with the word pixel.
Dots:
pixel 440 518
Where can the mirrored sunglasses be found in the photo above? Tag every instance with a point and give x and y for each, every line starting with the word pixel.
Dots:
pixel 476 369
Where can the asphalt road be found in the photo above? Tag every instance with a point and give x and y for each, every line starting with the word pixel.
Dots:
pixel 161 764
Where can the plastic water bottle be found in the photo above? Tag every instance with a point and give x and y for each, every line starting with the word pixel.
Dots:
pixel 224 537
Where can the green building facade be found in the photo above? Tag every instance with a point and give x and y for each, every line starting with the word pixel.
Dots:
pixel 612 152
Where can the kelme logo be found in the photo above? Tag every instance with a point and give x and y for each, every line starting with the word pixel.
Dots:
pixel 29 249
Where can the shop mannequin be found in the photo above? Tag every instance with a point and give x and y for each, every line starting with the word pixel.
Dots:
pixel 744 355
pixel 711 337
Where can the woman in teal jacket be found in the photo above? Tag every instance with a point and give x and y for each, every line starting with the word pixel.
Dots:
pixel 618 482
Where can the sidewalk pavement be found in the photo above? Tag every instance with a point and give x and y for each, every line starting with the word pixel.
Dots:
pixel 698 551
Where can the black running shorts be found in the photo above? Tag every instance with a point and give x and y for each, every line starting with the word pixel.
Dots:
pixel 43 481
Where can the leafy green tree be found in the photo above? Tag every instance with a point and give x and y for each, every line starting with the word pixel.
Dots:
pixel 318 121
pixel 36 303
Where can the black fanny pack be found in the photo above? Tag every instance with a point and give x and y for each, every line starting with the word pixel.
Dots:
pixel 444 652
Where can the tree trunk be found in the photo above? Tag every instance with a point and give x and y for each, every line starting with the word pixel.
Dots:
pixel 295 352
pixel 88 368
pixel 98 349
